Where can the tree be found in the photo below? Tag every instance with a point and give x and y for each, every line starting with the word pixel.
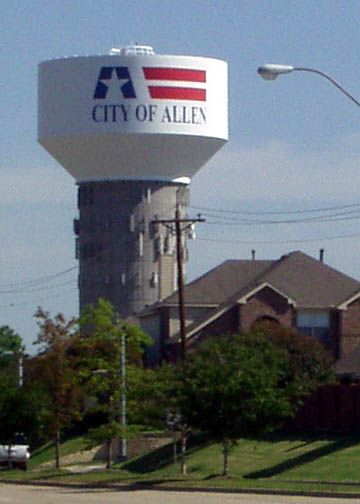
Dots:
pixel 102 333
pixel 251 382
pixel 310 364
pixel 18 415
pixel 154 401
pixel 10 341
pixel 53 372
pixel 11 352
pixel 152 394
pixel 234 386
pixel 18 409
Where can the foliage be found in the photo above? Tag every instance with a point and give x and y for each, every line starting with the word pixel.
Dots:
pixel 11 350
pixel 10 341
pixel 18 407
pixel 52 371
pixel 100 349
pixel 18 414
pixel 249 383
pixel 234 386
pixel 153 392
pixel 310 365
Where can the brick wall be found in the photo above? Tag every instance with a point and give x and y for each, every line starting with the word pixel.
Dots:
pixel 349 328
pixel 228 323
pixel 266 303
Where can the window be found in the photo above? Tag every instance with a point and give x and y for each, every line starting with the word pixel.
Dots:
pixel 158 247
pixel 141 244
pixel 148 195
pixel 169 244
pixel 107 225
pixel 314 323
pixel 85 196
pixel 132 223
pixel 91 225
pixel 154 280
pixel 108 279
pixel 76 227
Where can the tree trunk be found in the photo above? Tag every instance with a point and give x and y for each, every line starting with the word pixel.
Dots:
pixel 9 456
pixel 57 448
pixel 226 457
pixel 175 449
pixel 108 453
pixel 183 451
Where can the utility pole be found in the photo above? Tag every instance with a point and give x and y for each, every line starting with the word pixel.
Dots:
pixel 123 448
pixel 123 402
pixel 181 225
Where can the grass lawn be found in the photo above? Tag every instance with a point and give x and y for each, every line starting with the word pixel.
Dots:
pixel 46 452
pixel 277 462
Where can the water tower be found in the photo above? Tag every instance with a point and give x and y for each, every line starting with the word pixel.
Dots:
pixel 132 127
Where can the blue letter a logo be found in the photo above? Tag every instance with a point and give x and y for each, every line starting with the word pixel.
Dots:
pixel 106 74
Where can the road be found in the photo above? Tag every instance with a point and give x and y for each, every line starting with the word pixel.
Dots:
pixel 16 494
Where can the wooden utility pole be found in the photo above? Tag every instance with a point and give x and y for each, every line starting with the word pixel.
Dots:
pixel 180 226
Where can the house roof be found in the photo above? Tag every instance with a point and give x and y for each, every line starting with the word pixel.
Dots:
pixel 220 283
pixel 305 281
pixel 310 282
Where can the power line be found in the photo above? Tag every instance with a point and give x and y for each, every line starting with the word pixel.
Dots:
pixel 279 212
pixel 34 285
pixel 28 303
pixel 42 278
pixel 31 289
pixel 275 242
pixel 354 213
pixel 319 220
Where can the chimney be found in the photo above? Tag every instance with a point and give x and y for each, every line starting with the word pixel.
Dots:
pixel 321 255
pixel 253 254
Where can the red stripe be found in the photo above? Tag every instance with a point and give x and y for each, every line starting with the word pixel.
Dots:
pixel 176 93
pixel 174 74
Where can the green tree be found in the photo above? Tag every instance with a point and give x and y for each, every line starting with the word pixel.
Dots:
pixel 11 353
pixel 53 372
pixel 18 415
pixel 250 383
pixel 152 394
pixel 18 408
pixel 310 364
pixel 102 335
pixel 234 386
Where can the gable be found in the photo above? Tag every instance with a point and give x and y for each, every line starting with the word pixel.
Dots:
pixel 261 289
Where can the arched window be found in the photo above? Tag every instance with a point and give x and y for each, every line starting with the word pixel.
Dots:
pixel 265 320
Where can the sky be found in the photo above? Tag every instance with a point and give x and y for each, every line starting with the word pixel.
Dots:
pixel 293 152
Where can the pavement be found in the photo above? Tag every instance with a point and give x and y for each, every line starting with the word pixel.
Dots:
pixel 20 494
pixel 82 469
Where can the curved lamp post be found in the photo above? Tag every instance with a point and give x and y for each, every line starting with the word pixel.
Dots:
pixel 271 71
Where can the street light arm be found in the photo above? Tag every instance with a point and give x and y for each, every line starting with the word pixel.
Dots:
pixel 271 71
pixel 333 81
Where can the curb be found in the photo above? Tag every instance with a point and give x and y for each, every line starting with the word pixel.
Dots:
pixel 159 488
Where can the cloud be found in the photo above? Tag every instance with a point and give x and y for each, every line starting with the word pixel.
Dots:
pixel 277 175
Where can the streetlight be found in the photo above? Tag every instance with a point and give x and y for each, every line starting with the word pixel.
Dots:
pixel 272 70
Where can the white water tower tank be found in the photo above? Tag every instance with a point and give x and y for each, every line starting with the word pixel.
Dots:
pixel 132 114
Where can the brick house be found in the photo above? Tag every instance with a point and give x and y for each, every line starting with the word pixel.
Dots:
pixel 296 291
